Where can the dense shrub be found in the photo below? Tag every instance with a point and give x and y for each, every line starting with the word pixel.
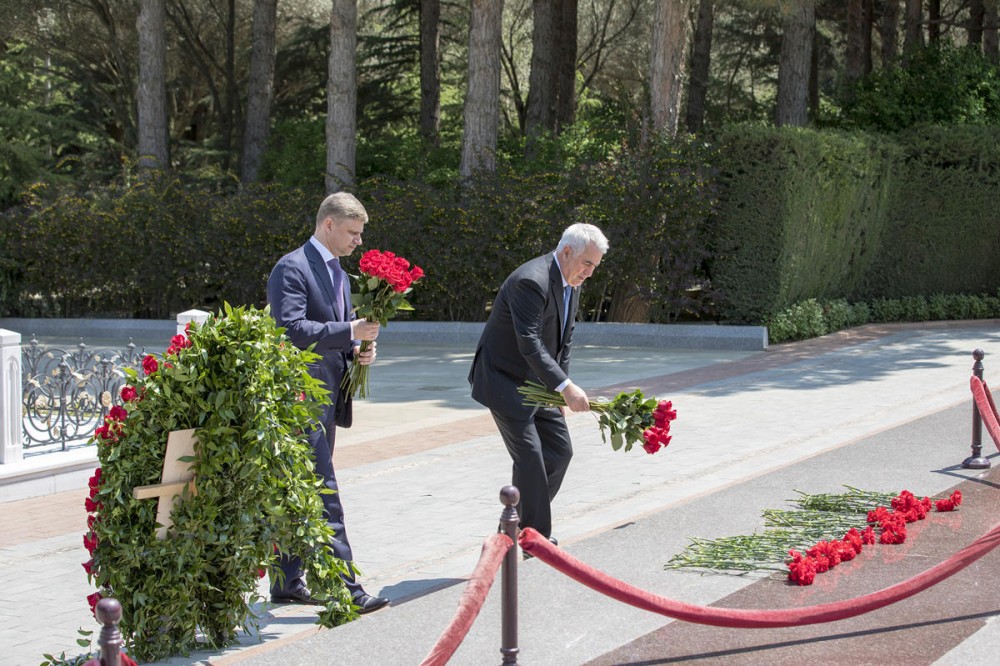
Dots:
pixel 942 227
pixel 800 216
pixel 151 248
pixel 944 85
pixel 813 318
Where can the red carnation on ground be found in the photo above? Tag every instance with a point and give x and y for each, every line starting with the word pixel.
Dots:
pixel 802 569
pixel 949 503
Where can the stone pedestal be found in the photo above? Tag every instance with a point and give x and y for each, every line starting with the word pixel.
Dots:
pixel 11 449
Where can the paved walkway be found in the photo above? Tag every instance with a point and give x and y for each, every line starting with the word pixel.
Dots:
pixel 878 407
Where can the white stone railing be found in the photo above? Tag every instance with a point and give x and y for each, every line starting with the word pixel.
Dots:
pixel 11 388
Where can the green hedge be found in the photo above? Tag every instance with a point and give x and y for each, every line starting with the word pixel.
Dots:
pixel 800 216
pixel 830 215
pixel 152 249
pixel 738 227
pixel 942 233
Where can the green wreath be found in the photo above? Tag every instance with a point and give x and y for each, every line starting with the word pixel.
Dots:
pixel 245 389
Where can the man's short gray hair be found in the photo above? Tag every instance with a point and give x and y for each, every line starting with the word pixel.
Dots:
pixel 578 236
pixel 340 205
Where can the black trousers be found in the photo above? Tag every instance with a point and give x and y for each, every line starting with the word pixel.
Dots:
pixel 322 442
pixel 541 449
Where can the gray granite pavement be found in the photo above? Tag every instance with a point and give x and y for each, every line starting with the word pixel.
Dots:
pixel 422 468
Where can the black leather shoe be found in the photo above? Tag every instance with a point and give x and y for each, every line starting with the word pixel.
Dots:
pixel 299 596
pixel 366 603
pixel 554 541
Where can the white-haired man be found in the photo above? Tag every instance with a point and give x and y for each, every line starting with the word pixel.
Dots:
pixel 528 337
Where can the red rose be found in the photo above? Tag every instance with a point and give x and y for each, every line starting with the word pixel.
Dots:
pixel 91 505
pixel 128 393
pixel 149 365
pixel 92 599
pixel 117 413
pixel 416 273
pixel 88 566
pixel 956 497
pixel 90 542
pixel 95 480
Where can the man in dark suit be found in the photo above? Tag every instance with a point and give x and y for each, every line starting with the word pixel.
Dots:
pixel 310 296
pixel 528 337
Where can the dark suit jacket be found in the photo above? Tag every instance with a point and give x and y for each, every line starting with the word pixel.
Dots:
pixel 523 338
pixel 300 294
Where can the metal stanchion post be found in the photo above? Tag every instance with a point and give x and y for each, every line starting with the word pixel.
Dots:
pixel 509 497
pixel 109 614
pixel 977 460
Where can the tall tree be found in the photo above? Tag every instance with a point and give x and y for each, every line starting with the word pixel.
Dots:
pixel 913 22
pixel 341 96
pixel 798 28
pixel 260 88
pixel 430 69
pixel 482 100
pixel 991 43
pixel 151 95
pixel 566 87
pixel 701 60
pixel 854 66
pixel 977 12
pixel 933 21
pixel 667 58
pixel 545 56
pixel 889 31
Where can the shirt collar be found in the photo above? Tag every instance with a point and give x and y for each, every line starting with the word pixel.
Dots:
pixel 555 255
pixel 323 252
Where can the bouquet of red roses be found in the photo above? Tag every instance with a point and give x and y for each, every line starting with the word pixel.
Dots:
pixel 382 287
pixel 628 419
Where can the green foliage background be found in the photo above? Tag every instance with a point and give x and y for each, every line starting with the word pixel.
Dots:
pixel 239 385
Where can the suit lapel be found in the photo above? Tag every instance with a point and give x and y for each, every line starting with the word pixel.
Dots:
pixel 556 290
pixel 322 274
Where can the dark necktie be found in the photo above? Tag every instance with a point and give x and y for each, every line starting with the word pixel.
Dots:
pixel 337 273
pixel 567 297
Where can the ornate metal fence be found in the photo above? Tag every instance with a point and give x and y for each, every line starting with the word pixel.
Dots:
pixel 67 393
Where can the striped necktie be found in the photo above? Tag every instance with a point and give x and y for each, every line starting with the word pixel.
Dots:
pixel 337 274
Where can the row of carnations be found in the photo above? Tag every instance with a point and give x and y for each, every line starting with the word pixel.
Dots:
pixel 906 508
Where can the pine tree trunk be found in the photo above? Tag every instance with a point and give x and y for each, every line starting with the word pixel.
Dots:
pixel 566 93
pixel 260 89
pixel 667 59
pixel 991 43
pixel 914 29
pixel 889 30
pixel 701 60
pixel 430 70
pixel 341 98
pixel 542 81
pixel 794 64
pixel 975 27
pixel 854 65
pixel 481 115
pixel 151 96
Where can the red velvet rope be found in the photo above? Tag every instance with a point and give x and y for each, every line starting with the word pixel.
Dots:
pixel 472 600
pixel 987 409
pixel 534 543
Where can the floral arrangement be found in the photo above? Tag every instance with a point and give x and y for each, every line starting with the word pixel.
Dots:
pixel 256 487
pixel 804 541
pixel 628 419
pixel 381 292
